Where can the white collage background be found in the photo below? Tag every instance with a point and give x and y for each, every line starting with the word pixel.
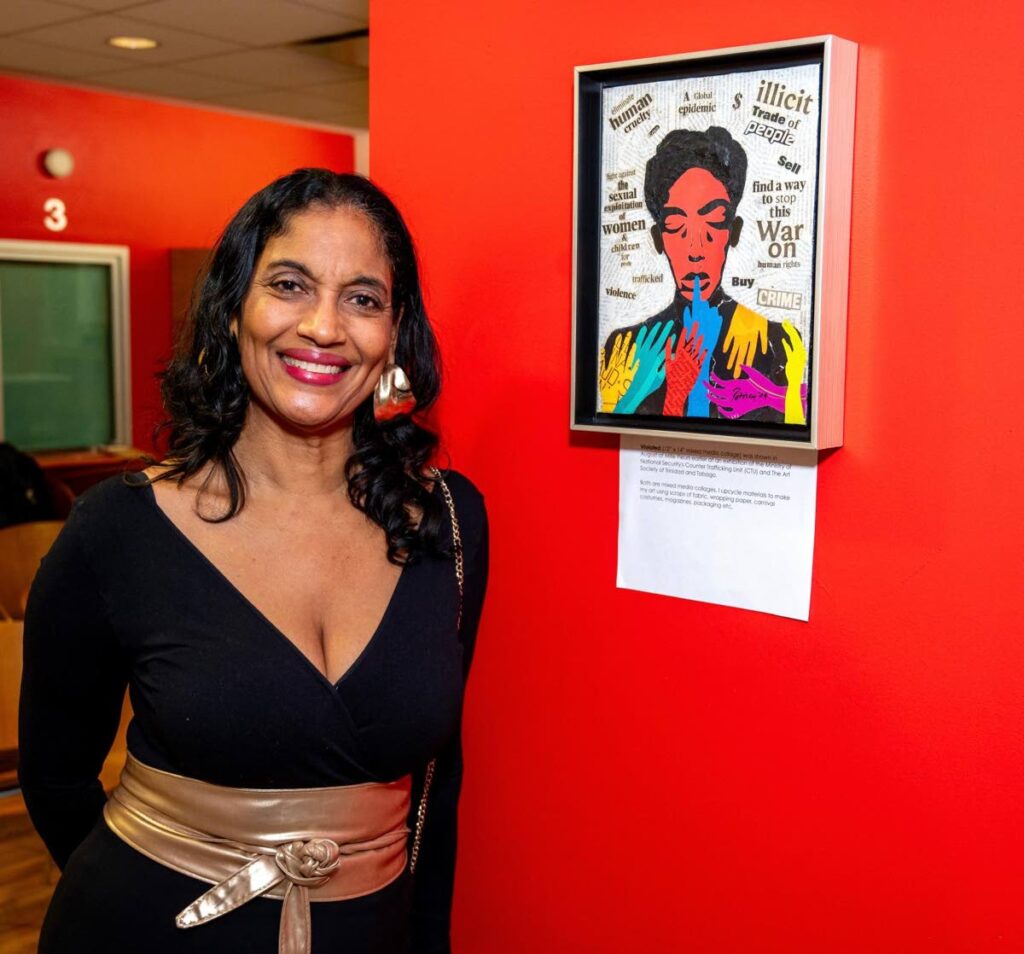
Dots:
pixel 627 150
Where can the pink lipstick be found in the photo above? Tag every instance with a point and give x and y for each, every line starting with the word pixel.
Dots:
pixel 314 367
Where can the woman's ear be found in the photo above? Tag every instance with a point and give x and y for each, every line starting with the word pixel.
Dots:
pixel 734 232
pixel 657 239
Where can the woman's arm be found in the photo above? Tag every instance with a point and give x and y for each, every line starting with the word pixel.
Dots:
pixel 434 879
pixel 72 690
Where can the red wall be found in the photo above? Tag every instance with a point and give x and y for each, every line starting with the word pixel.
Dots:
pixel 649 774
pixel 149 175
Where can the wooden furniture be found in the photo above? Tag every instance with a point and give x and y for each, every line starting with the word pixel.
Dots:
pixel 80 469
pixel 10 681
pixel 22 547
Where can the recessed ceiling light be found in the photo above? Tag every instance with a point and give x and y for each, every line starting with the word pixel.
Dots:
pixel 133 42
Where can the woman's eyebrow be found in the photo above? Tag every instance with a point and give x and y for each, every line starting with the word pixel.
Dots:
pixel 291 263
pixel 712 205
pixel 368 280
pixel 357 280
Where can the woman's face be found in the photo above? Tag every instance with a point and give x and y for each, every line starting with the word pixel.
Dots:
pixel 317 326
pixel 696 232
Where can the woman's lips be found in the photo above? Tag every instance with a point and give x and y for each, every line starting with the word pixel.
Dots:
pixel 699 280
pixel 312 368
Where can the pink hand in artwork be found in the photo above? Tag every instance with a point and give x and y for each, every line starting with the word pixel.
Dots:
pixel 768 385
pixel 682 370
pixel 739 397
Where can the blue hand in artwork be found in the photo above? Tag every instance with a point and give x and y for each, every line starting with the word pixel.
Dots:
pixel 650 372
pixel 710 321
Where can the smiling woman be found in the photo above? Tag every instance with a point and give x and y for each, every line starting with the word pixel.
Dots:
pixel 291 596
pixel 333 252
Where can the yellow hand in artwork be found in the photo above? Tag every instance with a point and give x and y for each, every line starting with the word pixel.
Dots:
pixel 746 331
pixel 796 364
pixel 617 374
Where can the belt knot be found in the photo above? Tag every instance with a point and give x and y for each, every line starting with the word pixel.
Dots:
pixel 309 863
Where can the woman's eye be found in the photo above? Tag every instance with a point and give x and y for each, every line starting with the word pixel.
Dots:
pixel 286 285
pixel 367 302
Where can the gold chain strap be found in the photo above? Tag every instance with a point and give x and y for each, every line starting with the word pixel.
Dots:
pixel 456 543
pixel 421 817
pixel 421 811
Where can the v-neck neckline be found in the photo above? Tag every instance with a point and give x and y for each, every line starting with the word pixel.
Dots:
pixel 259 614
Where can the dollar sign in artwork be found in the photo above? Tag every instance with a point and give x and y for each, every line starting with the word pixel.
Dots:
pixel 736 100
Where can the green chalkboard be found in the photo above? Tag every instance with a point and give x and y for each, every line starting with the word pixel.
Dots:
pixel 57 372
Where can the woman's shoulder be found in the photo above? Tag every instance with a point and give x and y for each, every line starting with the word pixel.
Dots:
pixel 99 513
pixel 459 482
pixel 106 499
pixel 101 518
pixel 465 493
pixel 469 503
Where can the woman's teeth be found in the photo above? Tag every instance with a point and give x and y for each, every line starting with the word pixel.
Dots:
pixel 310 366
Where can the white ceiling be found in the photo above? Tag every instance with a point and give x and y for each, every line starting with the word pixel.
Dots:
pixel 241 54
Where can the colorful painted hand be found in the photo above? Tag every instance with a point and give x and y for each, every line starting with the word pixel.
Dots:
pixel 617 375
pixel 747 331
pixel 796 364
pixel 699 312
pixel 650 372
pixel 681 371
pixel 737 398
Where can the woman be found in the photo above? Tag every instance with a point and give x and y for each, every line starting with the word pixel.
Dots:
pixel 281 597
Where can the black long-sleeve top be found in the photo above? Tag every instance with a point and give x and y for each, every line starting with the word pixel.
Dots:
pixel 219 694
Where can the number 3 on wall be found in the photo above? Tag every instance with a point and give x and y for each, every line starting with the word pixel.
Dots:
pixel 56 218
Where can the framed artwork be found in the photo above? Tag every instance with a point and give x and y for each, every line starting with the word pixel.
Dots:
pixel 711 243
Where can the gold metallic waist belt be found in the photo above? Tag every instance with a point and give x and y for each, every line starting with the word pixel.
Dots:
pixel 319 844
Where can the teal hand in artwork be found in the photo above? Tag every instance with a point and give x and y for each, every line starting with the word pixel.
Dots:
pixel 710 321
pixel 650 372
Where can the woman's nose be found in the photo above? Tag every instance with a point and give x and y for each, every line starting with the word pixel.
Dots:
pixel 696 250
pixel 323 323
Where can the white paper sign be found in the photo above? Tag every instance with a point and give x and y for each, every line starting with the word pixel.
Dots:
pixel 719 525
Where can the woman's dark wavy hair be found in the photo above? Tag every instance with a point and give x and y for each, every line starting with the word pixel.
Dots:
pixel 683 149
pixel 206 396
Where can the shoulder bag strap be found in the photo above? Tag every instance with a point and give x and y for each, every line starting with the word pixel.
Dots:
pixel 421 811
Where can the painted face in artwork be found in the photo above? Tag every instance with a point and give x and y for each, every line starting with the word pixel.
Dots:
pixel 697 230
